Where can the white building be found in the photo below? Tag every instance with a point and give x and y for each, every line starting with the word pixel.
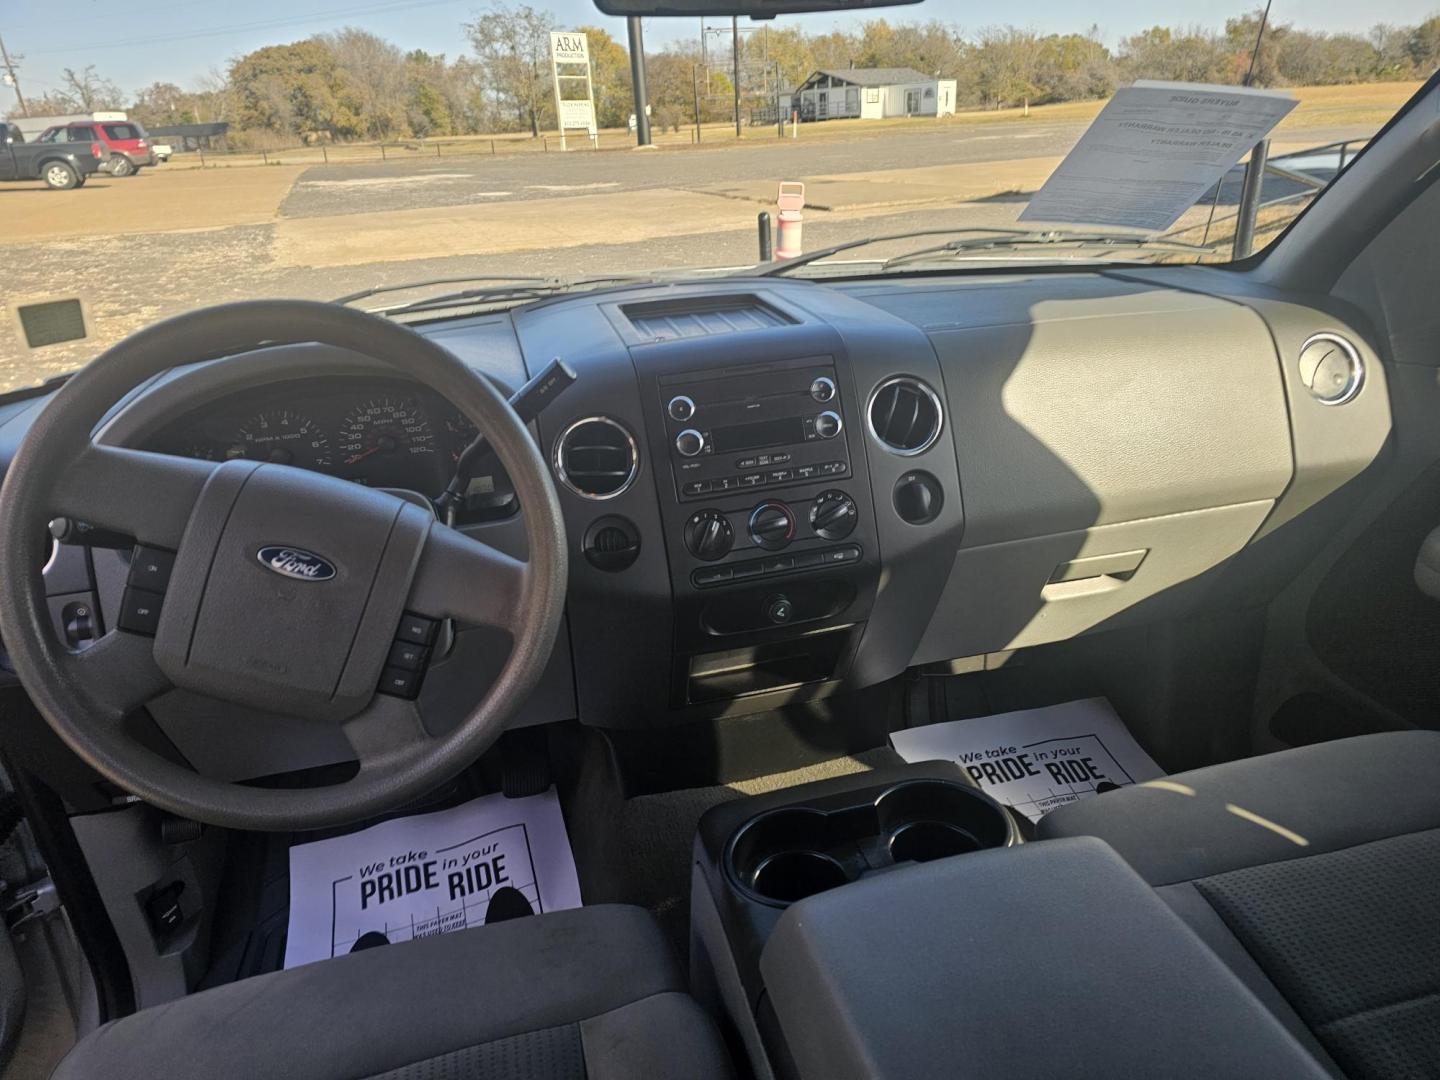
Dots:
pixel 872 94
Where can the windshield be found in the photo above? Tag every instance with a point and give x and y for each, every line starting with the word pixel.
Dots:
pixel 219 154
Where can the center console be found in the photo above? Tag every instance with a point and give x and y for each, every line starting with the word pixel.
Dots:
pixel 892 924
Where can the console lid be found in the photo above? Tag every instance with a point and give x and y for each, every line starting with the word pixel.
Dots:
pixel 1049 959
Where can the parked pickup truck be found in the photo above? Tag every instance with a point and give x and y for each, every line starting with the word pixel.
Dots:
pixel 61 165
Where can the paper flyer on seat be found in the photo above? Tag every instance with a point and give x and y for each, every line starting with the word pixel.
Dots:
pixel 1037 760
pixel 429 874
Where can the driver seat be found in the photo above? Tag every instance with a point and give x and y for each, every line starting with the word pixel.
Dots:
pixel 591 994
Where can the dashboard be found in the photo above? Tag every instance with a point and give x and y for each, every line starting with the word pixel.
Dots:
pixel 776 489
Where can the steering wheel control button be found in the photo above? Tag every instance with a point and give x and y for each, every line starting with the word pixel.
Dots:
pixel 833 515
pixel 416 629
pixel 139 611
pixel 150 568
pixel 689 443
pixel 407 655
pixel 772 525
pixel 823 389
pixel 779 610
pixel 828 424
pixel 398 682
pixel 709 535
pixel 681 408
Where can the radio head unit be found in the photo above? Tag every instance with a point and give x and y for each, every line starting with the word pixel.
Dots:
pixel 757 428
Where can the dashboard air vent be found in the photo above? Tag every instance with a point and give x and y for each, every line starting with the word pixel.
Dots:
pixel 905 415
pixel 670 320
pixel 596 457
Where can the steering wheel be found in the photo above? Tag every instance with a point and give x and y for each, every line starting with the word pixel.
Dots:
pixel 306 634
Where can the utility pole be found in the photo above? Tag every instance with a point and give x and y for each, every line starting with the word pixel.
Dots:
pixel 695 84
pixel 14 79
pixel 735 50
pixel 637 78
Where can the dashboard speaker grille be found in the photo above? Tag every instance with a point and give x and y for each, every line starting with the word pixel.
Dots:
pixel 905 415
pixel 596 457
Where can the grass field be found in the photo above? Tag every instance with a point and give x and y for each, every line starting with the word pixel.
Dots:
pixel 1320 107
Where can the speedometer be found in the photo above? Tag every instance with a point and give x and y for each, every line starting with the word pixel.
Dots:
pixel 384 428
pixel 283 437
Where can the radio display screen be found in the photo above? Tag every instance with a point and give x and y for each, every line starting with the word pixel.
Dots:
pixel 789 430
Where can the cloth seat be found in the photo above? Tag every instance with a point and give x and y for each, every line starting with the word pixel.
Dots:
pixel 1315 874
pixel 590 994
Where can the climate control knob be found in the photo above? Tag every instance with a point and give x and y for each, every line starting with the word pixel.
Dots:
pixel 772 525
pixel 708 535
pixel 833 515
pixel 689 443
pixel 828 424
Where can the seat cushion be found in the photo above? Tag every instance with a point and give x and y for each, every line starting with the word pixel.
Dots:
pixel 589 993
pixel 1289 805
pixel 1316 872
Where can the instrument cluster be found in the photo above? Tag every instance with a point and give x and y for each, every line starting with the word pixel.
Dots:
pixel 383 433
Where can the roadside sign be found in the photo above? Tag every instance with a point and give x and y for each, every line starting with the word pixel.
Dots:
pixel 572 53
pixel 570 49
pixel 1154 150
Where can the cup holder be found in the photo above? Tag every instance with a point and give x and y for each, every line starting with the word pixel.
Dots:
pixel 787 854
pixel 928 819
pixel 788 876
pixel 921 841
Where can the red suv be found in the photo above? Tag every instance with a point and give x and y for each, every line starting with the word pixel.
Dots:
pixel 125 139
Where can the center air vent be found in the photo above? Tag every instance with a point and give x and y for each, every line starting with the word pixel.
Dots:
pixel 905 415
pixel 596 458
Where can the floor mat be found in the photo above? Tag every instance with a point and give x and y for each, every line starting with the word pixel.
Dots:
pixel 1036 760
pixel 428 874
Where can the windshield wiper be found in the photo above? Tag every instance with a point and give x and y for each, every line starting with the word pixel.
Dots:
pixel 517 290
pixel 1048 238
pixel 379 290
pixel 977 238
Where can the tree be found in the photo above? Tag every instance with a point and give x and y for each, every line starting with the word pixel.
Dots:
pixel 296 89
pixel 1007 62
pixel 90 92
pixel 163 103
pixel 512 45
pixel 372 70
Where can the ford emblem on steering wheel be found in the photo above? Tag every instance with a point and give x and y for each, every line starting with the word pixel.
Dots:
pixel 296 563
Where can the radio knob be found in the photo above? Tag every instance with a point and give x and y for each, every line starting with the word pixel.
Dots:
pixel 828 424
pixel 833 515
pixel 681 407
pixel 823 388
pixel 689 443
pixel 772 525
pixel 708 535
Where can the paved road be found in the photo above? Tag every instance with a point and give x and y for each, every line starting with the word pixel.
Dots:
pixel 326 190
pixel 358 189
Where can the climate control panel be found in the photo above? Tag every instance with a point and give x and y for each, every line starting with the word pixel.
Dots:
pixel 807 531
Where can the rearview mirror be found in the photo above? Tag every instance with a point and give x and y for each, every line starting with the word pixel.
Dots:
pixel 756 9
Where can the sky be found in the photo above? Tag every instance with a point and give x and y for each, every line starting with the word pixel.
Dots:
pixel 139 42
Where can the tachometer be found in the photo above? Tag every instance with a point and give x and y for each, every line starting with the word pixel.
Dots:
pixel 285 438
pixel 384 428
